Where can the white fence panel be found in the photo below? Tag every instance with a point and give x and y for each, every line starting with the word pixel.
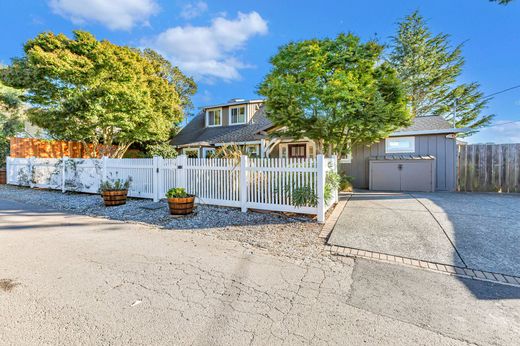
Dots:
pixel 281 184
pixel 275 183
pixel 83 175
pixel 47 173
pixel 214 181
pixel 169 174
pixel 19 171
pixel 139 170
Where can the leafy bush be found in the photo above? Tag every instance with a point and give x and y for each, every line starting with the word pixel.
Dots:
pixel 115 185
pixel 177 192
pixel 165 150
pixel 345 183
pixel 332 180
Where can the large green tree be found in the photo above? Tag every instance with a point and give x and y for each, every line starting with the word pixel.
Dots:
pixel 429 68
pixel 98 92
pixel 336 92
pixel 11 117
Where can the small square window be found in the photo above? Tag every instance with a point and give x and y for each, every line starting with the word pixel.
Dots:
pixel 398 145
pixel 214 117
pixel 237 115
pixel 208 152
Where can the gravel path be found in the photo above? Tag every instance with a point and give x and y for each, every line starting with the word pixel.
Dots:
pixel 281 235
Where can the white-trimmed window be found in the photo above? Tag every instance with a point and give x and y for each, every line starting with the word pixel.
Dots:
pixel 396 145
pixel 253 150
pixel 208 152
pixel 237 115
pixel 191 152
pixel 214 117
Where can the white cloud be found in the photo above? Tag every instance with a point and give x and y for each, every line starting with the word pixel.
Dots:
pixel 504 131
pixel 115 14
pixel 193 10
pixel 209 52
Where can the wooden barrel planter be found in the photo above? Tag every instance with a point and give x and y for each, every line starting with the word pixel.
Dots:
pixel 115 197
pixel 3 176
pixel 181 206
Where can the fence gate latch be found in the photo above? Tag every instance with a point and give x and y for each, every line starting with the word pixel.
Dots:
pixel 179 167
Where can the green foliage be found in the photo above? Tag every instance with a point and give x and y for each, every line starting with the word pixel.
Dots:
pixel 332 181
pixel 115 184
pixel 165 150
pixel 11 118
pixel 335 92
pixel 177 192
pixel 345 183
pixel 98 92
pixel 305 196
pixel 429 68
pixel 302 196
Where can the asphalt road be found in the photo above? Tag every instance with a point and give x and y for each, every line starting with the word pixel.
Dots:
pixel 82 280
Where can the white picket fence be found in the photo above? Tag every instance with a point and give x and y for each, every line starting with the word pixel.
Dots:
pixel 268 184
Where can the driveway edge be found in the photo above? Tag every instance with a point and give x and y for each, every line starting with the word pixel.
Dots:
pixel 431 266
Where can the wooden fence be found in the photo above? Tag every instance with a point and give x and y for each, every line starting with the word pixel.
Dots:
pixel 489 167
pixel 35 147
pixel 269 184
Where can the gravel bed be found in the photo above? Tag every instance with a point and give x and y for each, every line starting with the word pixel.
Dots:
pixel 279 234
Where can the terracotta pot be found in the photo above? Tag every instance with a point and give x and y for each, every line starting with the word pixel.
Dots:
pixel 3 177
pixel 115 197
pixel 181 206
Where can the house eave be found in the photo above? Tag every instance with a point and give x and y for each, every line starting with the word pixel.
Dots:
pixel 428 132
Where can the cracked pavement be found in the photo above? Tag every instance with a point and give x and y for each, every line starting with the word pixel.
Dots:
pixel 85 280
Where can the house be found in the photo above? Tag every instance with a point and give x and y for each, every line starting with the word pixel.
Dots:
pixel 421 157
pixel 241 122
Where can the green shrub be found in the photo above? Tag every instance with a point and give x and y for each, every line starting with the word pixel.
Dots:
pixel 345 183
pixel 115 185
pixel 165 150
pixel 177 192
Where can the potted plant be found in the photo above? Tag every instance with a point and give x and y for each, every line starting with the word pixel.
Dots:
pixel 114 192
pixel 179 201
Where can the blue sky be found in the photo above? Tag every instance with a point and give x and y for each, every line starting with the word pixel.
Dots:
pixel 226 45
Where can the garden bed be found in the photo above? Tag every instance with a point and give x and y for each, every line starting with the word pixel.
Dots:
pixel 278 233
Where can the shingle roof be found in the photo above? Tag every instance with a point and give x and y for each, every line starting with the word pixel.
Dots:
pixel 196 132
pixel 433 122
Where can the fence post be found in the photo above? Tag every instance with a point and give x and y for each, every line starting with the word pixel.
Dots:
pixel 321 188
pixel 30 174
pixel 182 161
pixel 334 160
pixel 244 163
pixel 63 172
pixel 156 169
pixel 104 169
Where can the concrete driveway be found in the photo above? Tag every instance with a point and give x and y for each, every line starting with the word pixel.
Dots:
pixel 479 231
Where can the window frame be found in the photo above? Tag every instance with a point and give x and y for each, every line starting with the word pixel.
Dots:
pixel 207 116
pixel 256 149
pixel 230 115
pixel 206 150
pixel 388 150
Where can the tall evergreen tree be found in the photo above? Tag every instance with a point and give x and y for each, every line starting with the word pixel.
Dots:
pixel 429 67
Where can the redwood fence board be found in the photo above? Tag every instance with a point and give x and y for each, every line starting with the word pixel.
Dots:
pixel 489 167
pixel 42 148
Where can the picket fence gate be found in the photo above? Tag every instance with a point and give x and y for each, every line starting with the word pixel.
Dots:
pixel 248 183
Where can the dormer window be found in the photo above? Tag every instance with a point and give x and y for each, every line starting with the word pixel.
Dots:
pixel 237 115
pixel 214 117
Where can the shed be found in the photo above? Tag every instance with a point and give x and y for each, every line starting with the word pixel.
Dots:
pixel 427 136
pixel 402 173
